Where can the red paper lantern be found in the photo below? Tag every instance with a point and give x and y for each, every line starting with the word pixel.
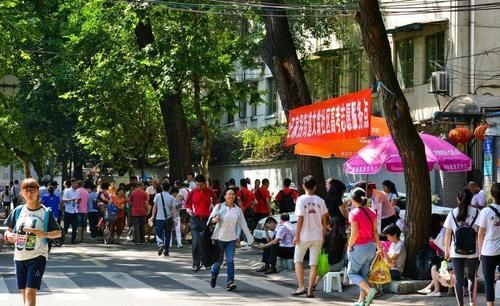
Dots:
pixel 460 135
pixel 480 131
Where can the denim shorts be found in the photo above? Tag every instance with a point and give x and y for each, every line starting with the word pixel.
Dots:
pixel 29 272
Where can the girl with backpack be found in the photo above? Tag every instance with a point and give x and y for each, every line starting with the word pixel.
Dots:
pixel 460 245
pixel 489 242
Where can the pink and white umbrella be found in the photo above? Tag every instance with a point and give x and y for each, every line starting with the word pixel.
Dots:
pixel 382 151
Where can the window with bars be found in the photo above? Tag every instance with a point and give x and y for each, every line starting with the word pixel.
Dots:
pixel 434 53
pixel 405 59
pixel 272 94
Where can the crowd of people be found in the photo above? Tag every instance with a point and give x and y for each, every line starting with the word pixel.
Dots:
pixel 349 229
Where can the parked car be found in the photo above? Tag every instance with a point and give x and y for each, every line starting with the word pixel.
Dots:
pixel 259 233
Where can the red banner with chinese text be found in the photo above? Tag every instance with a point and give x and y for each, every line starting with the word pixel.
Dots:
pixel 339 118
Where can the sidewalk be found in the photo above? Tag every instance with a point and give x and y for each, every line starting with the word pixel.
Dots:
pixel 248 260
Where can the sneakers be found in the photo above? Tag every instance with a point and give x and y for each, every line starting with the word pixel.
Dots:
pixel 161 248
pixel 434 293
pixel 424 291
pixel 271 270
pixel 213 282
pixel 231 286
pixel 262 269
pixel 195 268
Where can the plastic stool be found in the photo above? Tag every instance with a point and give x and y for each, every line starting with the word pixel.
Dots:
pixel 333 280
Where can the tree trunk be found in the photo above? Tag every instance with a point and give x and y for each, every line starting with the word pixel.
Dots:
pixel 77 164
pixel 280 55
pixel 22 156
pixel 179 144
pixel 174 119
pixel 26 167
pixel 64 170
pixel 206 146
pixel 409 144
pixel 38 168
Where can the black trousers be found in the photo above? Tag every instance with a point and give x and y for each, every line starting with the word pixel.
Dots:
pixel 270 256
pixel 93 221
pixel 286 253
pixel 138 224
pixel 489 265
pixel 71 219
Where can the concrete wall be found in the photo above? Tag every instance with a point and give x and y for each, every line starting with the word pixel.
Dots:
pixel 18 174
pixel 277 171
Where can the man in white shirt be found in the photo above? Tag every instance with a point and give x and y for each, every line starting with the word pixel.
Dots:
pixel 190 181
pixel 165 211
pixel 311 228
pixel 479 196
pixel 70 199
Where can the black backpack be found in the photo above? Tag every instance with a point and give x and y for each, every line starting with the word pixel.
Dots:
pixel 286 204
pixel 424 263
pixel 465 237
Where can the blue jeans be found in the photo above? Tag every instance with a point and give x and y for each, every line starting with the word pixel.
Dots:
pixel 198 225
pixel 228 248
pixel 82 221
pixel 360 260
pixel 163 232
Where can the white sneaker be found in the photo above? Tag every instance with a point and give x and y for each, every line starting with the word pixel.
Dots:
pixel 434 294
pixel 424 291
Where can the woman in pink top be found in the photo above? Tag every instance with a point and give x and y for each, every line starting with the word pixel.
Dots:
pixel 362 245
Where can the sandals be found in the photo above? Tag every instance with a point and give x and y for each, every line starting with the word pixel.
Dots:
pixel 370 296
pixel 299 292
pixel 310 294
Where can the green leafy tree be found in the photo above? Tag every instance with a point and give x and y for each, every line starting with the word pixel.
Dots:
pixel 118 116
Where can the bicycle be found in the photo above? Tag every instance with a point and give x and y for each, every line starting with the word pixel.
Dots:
pixel 59 241
pixel 110 212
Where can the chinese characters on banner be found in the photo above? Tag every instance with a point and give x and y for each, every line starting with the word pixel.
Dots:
pixel 344 117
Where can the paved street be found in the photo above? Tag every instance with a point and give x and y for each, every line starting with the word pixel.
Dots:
pixel 134 275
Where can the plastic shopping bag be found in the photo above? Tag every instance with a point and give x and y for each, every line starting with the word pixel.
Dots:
pixel 446 276
pixel 379 271
pixel 323 265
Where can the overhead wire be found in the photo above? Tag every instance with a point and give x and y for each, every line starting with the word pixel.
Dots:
pixel 301 10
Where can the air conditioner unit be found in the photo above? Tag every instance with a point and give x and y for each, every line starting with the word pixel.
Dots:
pixel 439 82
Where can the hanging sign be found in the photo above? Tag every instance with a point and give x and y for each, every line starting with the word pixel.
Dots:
pixel 340 118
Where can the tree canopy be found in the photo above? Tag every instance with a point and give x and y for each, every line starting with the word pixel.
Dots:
pixel 92 94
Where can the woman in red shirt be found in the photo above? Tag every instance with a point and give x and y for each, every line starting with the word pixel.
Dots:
pixel 362 245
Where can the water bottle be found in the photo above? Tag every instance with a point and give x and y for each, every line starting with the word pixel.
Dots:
pixel 31 238
pixel 21 238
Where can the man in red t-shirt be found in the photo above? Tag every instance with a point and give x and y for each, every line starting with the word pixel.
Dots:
pixel 263 207
pixel 139 204
pixel 247 201
pixel 200 202
pixel 246 198
pixel 287 197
